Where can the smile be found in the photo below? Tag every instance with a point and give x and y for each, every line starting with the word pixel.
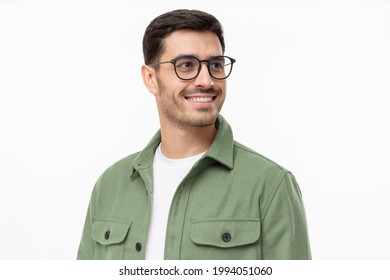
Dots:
pixel 200 99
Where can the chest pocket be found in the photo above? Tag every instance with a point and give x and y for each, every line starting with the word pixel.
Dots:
pixel 225 238
pixel 110 237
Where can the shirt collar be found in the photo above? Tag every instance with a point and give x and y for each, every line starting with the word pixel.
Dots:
pixel 221 150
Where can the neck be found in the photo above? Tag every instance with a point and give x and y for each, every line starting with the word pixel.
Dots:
pixel 177 142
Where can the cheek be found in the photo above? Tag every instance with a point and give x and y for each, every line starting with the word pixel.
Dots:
pixel 222 87
pixel 169 82
pixel 178 88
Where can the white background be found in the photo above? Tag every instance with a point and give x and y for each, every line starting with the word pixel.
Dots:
pixel 310 90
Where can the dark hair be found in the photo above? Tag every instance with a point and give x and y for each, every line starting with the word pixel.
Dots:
pixel 175 20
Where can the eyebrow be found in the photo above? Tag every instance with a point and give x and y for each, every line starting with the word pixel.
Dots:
pixel 193 55
pixel 183 55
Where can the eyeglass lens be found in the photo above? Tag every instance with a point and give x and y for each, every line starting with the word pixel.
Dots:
pixel 188 67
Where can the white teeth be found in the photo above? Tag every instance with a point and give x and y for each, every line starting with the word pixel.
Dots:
pixel 200 99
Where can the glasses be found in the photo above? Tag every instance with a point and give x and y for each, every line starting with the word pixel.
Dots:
pixel 188 67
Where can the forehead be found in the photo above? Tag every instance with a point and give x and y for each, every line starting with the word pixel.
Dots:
pixel 189 42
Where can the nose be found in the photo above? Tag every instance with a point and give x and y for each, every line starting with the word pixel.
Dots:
pixel 204 79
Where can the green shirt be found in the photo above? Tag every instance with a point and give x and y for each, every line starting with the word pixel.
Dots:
pixel 233 204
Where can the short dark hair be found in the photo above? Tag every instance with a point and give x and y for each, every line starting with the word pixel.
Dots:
pixel 163 25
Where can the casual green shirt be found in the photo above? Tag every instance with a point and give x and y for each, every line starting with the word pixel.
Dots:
pixel 233 204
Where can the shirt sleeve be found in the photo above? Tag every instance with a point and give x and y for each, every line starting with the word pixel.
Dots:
pixel 284 228
pixel 86 249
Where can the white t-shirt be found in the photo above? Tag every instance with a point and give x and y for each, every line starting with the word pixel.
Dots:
pixel 167 175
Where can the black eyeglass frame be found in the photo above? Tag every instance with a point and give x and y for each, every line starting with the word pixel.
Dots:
pixel 173 61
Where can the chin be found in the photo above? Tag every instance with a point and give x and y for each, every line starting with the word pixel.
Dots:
pixel 202 121
pixel 198 119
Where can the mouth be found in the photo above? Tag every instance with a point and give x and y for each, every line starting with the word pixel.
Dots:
pixel 200 99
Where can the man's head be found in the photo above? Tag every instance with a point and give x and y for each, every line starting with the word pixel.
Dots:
pixel 163 25
pixel 185 67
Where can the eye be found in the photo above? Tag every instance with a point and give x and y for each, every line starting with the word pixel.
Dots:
pixel 217 65
pixel 186 64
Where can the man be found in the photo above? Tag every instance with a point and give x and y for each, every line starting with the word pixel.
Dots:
pixel 193 192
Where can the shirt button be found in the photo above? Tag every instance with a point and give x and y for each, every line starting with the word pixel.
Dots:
pixel 107 235
pixel 226 237
pixel 138 246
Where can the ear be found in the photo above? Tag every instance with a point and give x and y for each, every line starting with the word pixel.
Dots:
pixel 149 78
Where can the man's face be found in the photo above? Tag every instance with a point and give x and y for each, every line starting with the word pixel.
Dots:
pixel 189 103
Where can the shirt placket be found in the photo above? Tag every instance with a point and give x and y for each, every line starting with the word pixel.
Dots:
pixel 176 219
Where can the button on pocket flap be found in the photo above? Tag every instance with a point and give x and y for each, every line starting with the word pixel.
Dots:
pixel 225 233
pixel 109 232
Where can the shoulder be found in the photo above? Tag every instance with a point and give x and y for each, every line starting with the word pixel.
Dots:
pixel 120 169
pixel 245 154
pixel 255 169
pixel 113 181
pixel 254 166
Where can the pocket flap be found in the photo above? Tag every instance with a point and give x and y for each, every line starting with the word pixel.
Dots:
pixel 109 232
pixel 225 233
